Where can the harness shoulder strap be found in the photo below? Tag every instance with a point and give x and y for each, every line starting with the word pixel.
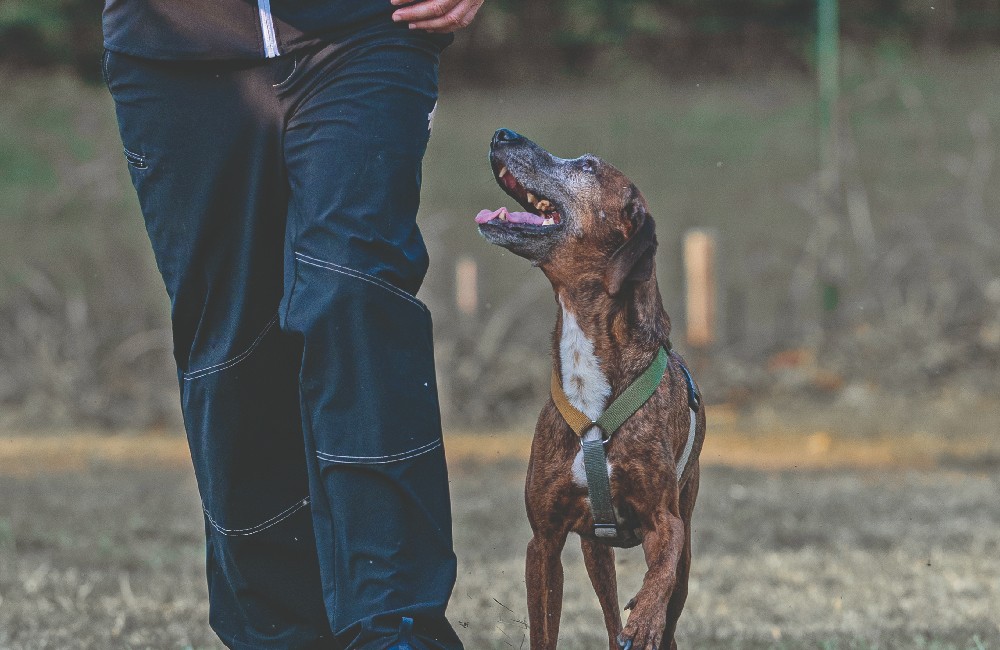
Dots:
pixel 694 403
pixel 633 397
pixel 575 418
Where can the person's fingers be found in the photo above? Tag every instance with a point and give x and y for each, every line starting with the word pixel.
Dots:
pixel 426 10
pixel 458 18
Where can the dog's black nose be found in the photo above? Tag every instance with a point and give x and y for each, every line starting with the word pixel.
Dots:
pixel 506 136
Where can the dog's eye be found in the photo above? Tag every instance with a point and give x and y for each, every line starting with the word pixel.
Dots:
pixel 587 165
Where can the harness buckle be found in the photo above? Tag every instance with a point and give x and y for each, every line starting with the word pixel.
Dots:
pixel 605 530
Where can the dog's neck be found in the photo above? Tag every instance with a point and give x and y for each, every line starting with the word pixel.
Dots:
pixel 602 343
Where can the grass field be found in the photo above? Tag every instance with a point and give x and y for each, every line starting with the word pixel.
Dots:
pixel 886 537
pixel 800 542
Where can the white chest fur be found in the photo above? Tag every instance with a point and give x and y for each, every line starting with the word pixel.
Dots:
pixel 582 380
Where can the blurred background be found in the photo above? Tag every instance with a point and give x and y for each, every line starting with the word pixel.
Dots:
pixel 825 185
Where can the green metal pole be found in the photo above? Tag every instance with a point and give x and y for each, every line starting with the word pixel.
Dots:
pixel 828 68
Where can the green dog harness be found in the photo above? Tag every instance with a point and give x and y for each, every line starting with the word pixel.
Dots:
pixel 595 462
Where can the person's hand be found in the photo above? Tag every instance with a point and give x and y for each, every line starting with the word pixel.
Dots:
pixel 441 16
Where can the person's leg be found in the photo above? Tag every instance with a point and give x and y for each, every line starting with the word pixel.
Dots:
pixel 357 129
pixel 203 143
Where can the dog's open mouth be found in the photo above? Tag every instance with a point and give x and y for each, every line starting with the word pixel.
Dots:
pixel 541 212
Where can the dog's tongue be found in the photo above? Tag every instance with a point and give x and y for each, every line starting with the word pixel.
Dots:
pixel 513 217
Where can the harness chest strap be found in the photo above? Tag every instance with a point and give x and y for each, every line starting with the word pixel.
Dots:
pixel 620 410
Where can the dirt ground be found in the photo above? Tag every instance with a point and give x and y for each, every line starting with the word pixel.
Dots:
pixel 809 541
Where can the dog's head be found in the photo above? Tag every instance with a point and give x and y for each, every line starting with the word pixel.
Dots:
pixel 583 217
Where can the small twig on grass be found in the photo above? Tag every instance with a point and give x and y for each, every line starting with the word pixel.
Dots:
pixel 504 606
pixel 508 639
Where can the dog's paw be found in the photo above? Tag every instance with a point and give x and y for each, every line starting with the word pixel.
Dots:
pixel 644 630
pixel 628 644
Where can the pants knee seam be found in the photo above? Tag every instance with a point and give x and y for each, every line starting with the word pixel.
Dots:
pixel 380 460
pixel 229 363
pixel 359 275
pixel 262 526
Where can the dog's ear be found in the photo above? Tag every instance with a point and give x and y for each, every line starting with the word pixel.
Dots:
pixel 633 261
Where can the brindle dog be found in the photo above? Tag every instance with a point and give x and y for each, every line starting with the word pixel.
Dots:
pixel 589 230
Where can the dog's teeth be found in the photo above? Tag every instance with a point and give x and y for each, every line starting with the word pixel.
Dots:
pixel 543 206
pixel 549 222
pixel 532 198
pixel 503 171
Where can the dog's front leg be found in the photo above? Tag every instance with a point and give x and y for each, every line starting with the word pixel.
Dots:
pixel 688 496
pixel 662 546
pixel 544 579
pixel 600 562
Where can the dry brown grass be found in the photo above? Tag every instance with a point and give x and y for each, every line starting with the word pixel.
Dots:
pixel 808 541
pixel 729 444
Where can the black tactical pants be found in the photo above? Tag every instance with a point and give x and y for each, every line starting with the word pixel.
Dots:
pixel 280 199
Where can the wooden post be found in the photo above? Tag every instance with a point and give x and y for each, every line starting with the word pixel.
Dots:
pixel 467 286
pixel 699 276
